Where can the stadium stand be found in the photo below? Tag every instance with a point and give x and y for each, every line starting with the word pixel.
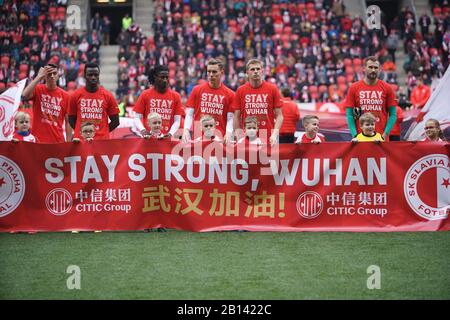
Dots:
pixel 313 47
pixel 427 52
pixel 32 34
pixel 305 45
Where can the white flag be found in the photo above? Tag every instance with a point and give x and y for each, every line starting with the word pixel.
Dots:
pixel 437 107
pixel 9 103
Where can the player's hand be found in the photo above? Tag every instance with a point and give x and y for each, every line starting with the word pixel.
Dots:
pixel 186 137
pixel 239 133
pixel 165 136
pixel 14 140
pixel 42 73
pixel 316 141
pixel 273 140
pixel 227 138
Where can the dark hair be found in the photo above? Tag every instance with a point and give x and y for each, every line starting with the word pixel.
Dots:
pixel 52 65
pixel 155 71
pixel 371 58
pixel 91 65
pixel 438 126
pixel 286 92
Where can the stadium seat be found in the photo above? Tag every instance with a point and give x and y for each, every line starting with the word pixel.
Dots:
pixel 23 67
pixel 285 37
pixel 71 85
pixel 294 37
pixel 23 75
pixel 437 11
pixel 349 70
pixel 350 77
pixel 52 10
pixel 311 12
pixel 312 89
pixel 172 65
pixel 357 62
pixel 322 89
pixel 348 62
pixel 287 30
pixel 394 87
pixel 310 6
pixel 341 80
pixel 300 8
pixel 5 60
pixel 342 87
pixel 2 86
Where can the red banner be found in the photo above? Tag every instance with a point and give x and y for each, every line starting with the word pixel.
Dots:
pixel 136 184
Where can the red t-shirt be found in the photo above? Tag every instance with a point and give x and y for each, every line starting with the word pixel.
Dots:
pixel 49 111
pixel 259 102
pixel 396 129
pixel 290 116
pixel 167 105
pixel 215 102
pixel 317 138
pixel 375 99
pixel 93 107
pixel 29 137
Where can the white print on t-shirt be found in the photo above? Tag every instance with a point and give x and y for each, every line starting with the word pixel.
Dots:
pixel 50 105
pixel 256 103
pixel 91 108
pixel 371 100
pixel 211 103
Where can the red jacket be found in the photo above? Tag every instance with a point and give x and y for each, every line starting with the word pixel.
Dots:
pixel 420 96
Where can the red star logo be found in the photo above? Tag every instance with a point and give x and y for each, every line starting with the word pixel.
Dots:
pixel 445 183
pixel 2 182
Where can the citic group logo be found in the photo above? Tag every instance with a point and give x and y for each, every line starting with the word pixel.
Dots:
pixel 427 187
pixel 309 205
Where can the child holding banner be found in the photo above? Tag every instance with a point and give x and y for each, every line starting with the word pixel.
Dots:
pixel 87 132
pixel 311 134
pixel 367 123
pixel 22 123
pixel 208 129
pixel 433 131
pixel 154 122
pixel 251 131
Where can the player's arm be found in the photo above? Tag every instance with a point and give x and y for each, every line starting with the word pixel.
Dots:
pixel 138 123
pixel 229 128
pixel 237 124
pixel 351 121
pixel 175 125
pixel 114 121
pixel 187 124
pixel 73 121
pixel 29 90
pixel 390 122
pixel 278 122
pixel 69 132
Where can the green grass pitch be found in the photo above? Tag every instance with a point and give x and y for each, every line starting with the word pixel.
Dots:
pixel 225 265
